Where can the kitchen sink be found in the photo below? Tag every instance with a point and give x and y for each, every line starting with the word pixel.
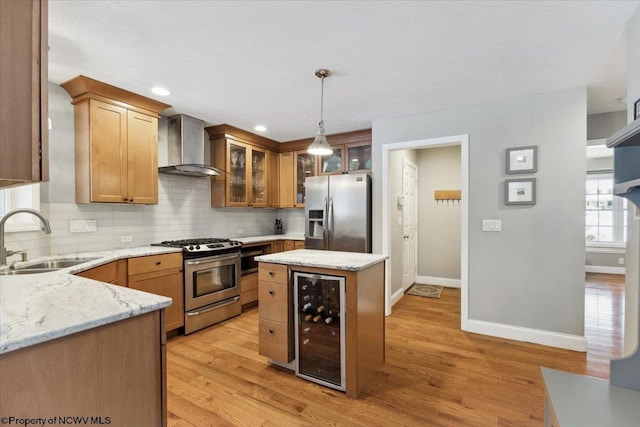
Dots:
pixel 26 271
pixel 56 264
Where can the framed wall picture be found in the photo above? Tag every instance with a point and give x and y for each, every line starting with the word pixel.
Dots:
pixel 522 159
pixel 520 191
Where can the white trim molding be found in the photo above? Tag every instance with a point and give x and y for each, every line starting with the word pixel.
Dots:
pixel 536 336
pixel 442 281
pixel 604 270
pixel 397 296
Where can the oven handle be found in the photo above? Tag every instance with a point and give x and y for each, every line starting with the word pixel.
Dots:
pixel 211 259
pixel 214 307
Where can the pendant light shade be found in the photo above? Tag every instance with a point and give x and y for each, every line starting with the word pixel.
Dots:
pixel 320 146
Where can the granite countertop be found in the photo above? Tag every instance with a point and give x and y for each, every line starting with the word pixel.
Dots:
pixel 334 260
pixel 35 308
pixel 269 238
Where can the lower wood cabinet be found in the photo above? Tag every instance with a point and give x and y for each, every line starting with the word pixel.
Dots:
pixel 276 322
pixel 249 289
pixel 114 374
pixel 115 273
pixel 161 275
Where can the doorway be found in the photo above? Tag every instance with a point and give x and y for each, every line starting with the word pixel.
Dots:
pixel 409 217
pixel 394 291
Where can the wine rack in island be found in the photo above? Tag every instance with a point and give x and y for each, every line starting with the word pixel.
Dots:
pixel 319 328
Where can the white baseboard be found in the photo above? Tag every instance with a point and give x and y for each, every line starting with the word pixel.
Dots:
pixel 536 336
pixel 397 296
pixel 442 281
pixel 604 270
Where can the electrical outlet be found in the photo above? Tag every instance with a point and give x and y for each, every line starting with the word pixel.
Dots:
pixel 239 231
pixel 621 261
pixel 126 239
pixel 491 225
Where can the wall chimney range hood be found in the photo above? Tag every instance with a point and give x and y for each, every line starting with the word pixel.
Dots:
pixel 186 148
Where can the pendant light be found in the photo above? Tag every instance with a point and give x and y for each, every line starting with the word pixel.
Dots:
pixel 320 146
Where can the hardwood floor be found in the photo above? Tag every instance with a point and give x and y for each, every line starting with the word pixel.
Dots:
pixel 434 375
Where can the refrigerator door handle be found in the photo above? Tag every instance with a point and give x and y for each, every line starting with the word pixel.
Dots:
pixel 325 226
pixel 330 214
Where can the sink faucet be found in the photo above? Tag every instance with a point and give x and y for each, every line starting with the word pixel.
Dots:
pixel 3 251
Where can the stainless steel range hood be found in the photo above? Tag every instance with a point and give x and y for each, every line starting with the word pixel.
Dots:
pixel 186 148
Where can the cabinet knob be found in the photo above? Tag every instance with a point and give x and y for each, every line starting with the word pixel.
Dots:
pixel 130 200
pixel 126 200
pixel 158 262
pixel 271 330
pixel 271 273
pixel 271 292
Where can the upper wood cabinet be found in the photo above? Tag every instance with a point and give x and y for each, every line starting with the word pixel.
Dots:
pixel 305 167
pixel 24 134
pixel 346 158
pixel 116 143
pixel 248 162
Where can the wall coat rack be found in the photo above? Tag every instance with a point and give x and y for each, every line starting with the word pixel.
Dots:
pixel 447 196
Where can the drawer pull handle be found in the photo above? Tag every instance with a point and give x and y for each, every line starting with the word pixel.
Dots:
pixel 271 292
pixel 271 330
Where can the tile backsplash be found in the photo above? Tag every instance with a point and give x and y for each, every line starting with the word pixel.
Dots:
pixel 183 211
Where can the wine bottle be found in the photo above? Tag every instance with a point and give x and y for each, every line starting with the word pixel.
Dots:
pixel 317 318
pixel 306 306
pixel 320 309
pixel 308 317
pixel 328 320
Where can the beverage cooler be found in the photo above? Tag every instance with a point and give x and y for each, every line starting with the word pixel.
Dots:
pixel 320 329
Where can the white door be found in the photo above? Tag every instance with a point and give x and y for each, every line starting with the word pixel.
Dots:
pixel 409 252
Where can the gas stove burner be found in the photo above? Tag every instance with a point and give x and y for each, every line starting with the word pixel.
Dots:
pixel 203 247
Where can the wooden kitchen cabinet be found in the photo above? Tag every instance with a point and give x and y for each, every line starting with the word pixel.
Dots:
pixel 277 246
pixel 247 159
pixel 114 272
pixel 116 143
pixel 117 370
pixel 160 275
pixel 249 289
pixel 276 315
pixel 346 158
pixel 287 188
pixel 288 245
pixel 305 166
pixel 24 134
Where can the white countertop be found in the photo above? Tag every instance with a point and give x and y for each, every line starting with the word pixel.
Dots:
pixel 334 260
pixel 269 238
pixel 35 308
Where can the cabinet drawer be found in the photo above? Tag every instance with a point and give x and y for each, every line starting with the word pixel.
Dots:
pixel 274 301
pixel 249 297
pixel 249 282
pixel 146 264
pixel 274 340
pixel 276 273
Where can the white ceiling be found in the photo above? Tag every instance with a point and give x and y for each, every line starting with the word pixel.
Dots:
pixel 253 62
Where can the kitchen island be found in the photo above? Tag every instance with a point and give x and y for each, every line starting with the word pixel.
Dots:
pixel 76 347
pixel 362 321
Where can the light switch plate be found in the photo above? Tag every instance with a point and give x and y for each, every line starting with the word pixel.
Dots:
pixel 491 225
pixel 126 239
pixel 83 225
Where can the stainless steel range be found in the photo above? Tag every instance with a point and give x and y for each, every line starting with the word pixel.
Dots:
pixel 211 280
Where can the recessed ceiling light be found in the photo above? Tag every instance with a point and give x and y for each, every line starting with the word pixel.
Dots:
pixel 160 91
pixel 260 128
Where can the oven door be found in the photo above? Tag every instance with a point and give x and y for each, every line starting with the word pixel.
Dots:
pixel 210 280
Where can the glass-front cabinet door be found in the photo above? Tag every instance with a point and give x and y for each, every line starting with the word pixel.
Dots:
pixel 237 178
pixel 358 158
pixel 259 178
pixel 333 163
pixel 305 167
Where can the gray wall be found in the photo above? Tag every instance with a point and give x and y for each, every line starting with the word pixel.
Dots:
pixel 532 273
pixel 438 223
pixel 604 125
pixel 395 212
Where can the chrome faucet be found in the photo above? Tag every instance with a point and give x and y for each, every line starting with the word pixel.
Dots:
pixel 3 251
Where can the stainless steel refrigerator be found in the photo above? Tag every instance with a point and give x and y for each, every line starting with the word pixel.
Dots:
pixel 338 212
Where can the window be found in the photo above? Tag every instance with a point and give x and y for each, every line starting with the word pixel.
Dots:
pixel 606 214
pixel 26 196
